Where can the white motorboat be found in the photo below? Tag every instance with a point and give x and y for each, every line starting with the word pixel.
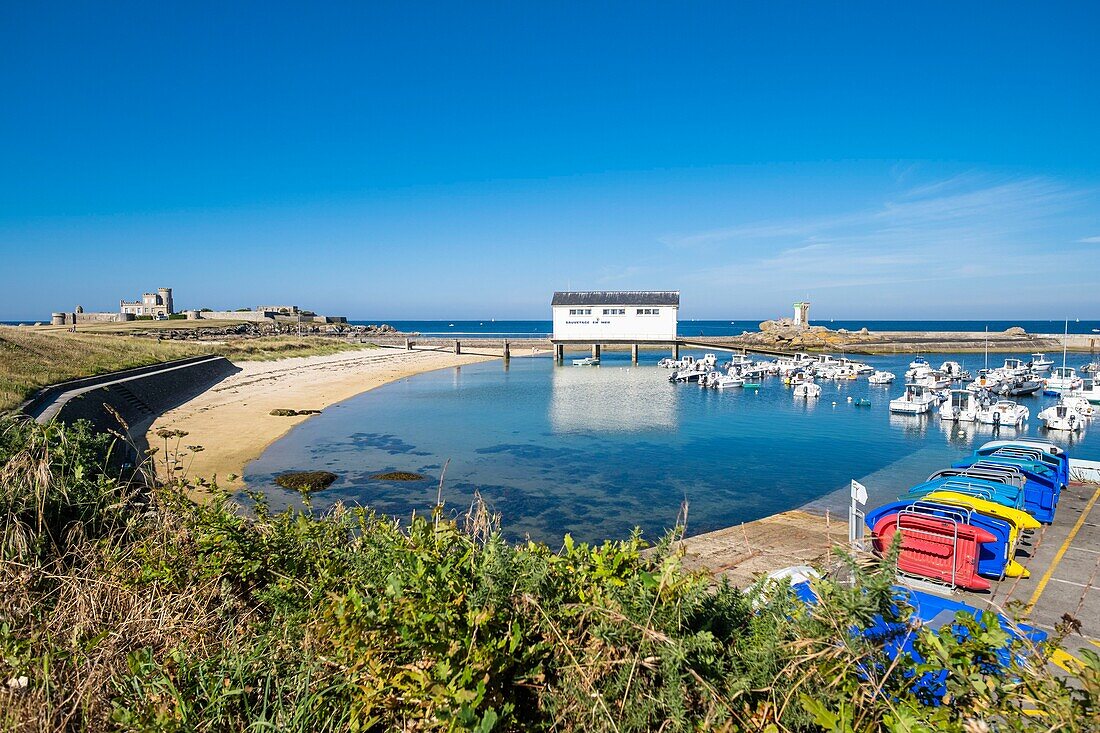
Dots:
pixel 919 362
pixel 1015 368
pixel 880 377
pixel 954 370
pixel 1064 379
pixel 710 360
pixel 987 379
pixel 915 400
pixel 1062 417
pixel 668 363
pixel 1040 364
pixel 726 381
pixel 1090 392
pixel 807 390
pixel 1083 407
pixel 1004 413
pixel 961 406
pixel 857 366
pixel 586 361
pixel 933 380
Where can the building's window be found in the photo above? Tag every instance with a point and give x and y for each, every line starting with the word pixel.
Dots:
pixel 648 311
pixel 588 311
pixel 614 311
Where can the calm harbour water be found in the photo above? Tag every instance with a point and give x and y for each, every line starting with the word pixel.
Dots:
pixel 596 451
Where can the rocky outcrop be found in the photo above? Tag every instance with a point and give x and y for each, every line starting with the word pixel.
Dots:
pixel 270 328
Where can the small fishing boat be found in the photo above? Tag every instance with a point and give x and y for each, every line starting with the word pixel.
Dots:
pixel 862 402
pixel 915 400
pixel 961 406
pixel 987 379
pixel 880 377
pixel 1040 364
pixel 668 363
pixel 1062 417
pixel 1083 407
pixel 919 362
pixel 807 390
pixel 954 370
pixel 586 361
pixel 726 381
pixel 1004 413
pixel 1090 392
pixel 1064 379
pixel 1019 387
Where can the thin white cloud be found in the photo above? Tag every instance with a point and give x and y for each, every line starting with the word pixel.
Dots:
pixel 1090 240
pixel 966 227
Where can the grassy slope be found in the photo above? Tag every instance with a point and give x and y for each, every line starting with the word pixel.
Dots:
pixel 33 358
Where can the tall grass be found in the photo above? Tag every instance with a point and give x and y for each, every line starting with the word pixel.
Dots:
pixel 132 608
pixel 31 359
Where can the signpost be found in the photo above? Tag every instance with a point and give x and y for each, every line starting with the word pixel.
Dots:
pixel 856 518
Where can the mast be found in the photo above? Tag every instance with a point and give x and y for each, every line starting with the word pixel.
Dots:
pixel 1065 338
pixel 987 347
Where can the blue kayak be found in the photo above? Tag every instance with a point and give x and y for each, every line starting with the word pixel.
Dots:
pixel 1006 494
pixel 1041 486
pixel 1048 454
pixel 934 612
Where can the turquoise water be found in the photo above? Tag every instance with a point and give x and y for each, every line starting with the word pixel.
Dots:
pixel 596 451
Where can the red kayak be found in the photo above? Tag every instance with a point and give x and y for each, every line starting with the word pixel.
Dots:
pixel 935 547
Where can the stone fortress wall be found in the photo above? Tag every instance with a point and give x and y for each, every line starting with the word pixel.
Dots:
pixel 161 305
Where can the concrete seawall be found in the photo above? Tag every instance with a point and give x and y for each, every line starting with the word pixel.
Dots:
pixel 127 402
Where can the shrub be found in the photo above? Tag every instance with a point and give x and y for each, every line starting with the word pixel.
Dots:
pixel 138 609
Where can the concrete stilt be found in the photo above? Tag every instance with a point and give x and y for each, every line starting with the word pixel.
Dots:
pixel 595 351
pixel 676 351
pixel 559 353
pixel 458 347
pixel 506 352
pixel 634 353
pixel 408 345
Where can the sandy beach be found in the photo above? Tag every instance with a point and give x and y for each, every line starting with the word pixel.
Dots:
pixel 232 421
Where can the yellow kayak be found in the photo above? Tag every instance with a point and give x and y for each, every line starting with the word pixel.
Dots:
pixel 1020 520
pixel 1017 521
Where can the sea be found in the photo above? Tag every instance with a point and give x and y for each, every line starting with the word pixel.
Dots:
pixel 599 452
pixel 538 329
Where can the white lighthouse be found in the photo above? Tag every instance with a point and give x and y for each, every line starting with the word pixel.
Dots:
pixel 802 313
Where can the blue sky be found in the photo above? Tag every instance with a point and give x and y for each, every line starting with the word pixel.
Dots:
pixel 400 160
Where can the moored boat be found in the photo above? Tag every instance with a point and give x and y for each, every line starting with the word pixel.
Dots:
pixel 1004 413
pixel 916 399
pixel 880 377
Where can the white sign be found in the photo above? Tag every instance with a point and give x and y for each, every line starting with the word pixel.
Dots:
pixel 859 492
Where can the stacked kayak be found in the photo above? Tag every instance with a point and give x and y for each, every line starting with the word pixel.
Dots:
pixel 963 525
pixel 940 615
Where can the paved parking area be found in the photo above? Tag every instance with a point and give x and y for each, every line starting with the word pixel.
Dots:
pixel 1064 560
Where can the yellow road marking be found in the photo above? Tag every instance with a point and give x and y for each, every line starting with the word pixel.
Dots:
pixel 1094 643
pixel 1067 661
pixel 1061 551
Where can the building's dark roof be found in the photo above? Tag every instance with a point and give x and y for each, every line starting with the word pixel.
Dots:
pixel 617 297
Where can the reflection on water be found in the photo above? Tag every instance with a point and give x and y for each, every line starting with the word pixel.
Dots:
pixel 599 451
pixel 611 399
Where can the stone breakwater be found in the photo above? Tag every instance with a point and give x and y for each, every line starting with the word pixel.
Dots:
pixel 784 335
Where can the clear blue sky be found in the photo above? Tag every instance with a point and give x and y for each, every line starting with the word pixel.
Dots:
pixel 404 160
